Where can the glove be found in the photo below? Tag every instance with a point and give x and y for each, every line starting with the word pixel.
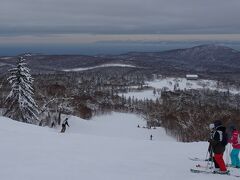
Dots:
pixel 209 140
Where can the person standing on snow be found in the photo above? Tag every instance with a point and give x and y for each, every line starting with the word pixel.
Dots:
pixel 235 162
pixel 218 143
pixel 65 122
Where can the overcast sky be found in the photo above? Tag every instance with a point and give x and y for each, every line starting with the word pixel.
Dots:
pixel 94 20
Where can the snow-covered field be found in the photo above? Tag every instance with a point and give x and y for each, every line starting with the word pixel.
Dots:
pixel 170 84
pixel 183 83
pixel 95 67
pixel 106 148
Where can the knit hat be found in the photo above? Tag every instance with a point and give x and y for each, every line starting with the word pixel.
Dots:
pixel 217 123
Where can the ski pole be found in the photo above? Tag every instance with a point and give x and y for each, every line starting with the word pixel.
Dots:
pixel 210 158
pixel 207 156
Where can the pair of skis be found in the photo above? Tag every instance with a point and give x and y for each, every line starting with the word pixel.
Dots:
pixel 206 169
pixel 197 159
pixel 212 172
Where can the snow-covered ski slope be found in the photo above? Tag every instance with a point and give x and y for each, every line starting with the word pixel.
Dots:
pixel 106 148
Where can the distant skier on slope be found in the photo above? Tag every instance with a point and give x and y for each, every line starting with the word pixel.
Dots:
pixel 151 137
pixel 235 162
pixel 218 143
pixel 65 122
pixel 53 124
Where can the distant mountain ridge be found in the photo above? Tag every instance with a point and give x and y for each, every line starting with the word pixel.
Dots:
pixel 199 59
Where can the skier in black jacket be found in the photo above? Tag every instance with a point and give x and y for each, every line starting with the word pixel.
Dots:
pixel 65 122
pixel 218 143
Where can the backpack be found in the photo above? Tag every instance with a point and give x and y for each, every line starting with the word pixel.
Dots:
pixel 223 137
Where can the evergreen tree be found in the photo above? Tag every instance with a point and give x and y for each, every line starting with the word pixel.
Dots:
pixel 20 103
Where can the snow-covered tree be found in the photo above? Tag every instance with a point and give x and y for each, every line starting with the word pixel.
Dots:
pixel 20 103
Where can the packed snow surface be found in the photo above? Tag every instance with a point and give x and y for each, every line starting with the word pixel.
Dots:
pixel 105 148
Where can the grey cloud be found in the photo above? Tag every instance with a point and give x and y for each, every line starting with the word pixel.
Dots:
pixel 119 17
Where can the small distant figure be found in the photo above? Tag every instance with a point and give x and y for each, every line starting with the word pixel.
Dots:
pixel 53 124
pixel 138 126
pixel 151 136
pixel 64 124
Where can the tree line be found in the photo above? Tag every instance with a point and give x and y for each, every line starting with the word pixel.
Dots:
pixel 42 99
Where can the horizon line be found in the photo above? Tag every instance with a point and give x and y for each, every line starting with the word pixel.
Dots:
pixel 96 38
